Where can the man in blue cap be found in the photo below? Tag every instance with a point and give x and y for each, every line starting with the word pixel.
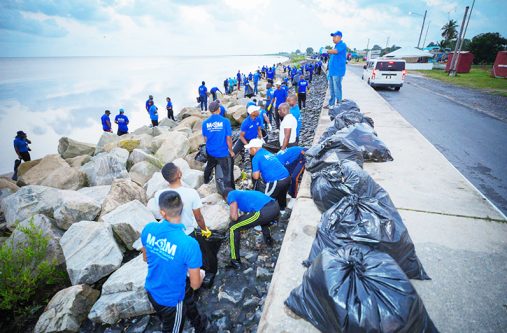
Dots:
pixel 336 68
pixel 122 121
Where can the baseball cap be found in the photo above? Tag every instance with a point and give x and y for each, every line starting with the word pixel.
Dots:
pixel 254 143
pixel 121 110
pixel 213 106
pixel 337 33
pixel 107 111
pixel 252 108
pixel 21 133
pixel 278 83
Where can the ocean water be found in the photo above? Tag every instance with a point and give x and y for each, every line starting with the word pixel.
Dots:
pixel 53 97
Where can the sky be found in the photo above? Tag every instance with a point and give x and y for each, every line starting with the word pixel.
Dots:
pixel 48 28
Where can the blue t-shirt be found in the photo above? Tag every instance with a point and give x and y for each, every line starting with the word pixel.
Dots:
pixel 122 122
pixel 270 73
pixel 216 129
pixel 170 254
pixel 214 90
pixel 302 85
pixel 289 155
pixel 203 90
pixel 262 112
pixel 250 127
pixel 248 201
pixel 296 112
pixel 153 112
pixel 337 62
pixel 256 77
pixel 280 95
pixel 169 105
pixel 238 76
pixel 147 104
pixel 250 76
pixel 222 110
pixel 105 125
pixel 21 144
pixel 269 166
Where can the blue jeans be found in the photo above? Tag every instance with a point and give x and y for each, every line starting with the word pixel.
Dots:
pixel 204 103
pixel 335 89
pixel 256 91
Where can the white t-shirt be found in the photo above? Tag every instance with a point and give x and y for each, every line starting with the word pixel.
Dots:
pixel 289 121
pixel 191 201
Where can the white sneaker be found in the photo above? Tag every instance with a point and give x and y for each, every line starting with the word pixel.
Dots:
pixel 257 228
pixel 282 212
pixel 291 203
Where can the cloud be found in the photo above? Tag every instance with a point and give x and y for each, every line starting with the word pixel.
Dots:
pixel 82 10
pixel 14 21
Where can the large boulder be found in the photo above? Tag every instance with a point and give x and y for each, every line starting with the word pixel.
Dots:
pixel 216 216
pixel 19 239
pixel 238 113
pixel 123 294
pixel 78 161
pixel 167 123
pixel 207 189
pixel 188 112
pixel 128 221
pixel 68 148
pixel 7 187
pixel 172 148
pixel 157 182
pixel 129 144
pixel 106 138
pixel 213 199
pixel 105 167
pixel 25 166
pixel 193 163
pixel 139 155
pixel 193 122
pixel 176 136
pixel 67 310
pixel 72 207
pixel 195 140
pixel 40 171
pixel 90 251
pixel 142 172
pixel 97 193
pixel 182 164
pixel 122 191
pixel 66 178
pixel 193 178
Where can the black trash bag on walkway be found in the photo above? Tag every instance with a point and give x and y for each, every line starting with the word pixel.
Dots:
pixel 330 184
pixel 332 151
pixel 358 289
pixel 343 120
pixel 363 135
pixel 345 105
pixel 370 222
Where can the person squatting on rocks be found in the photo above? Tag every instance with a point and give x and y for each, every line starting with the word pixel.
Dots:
pixel 203 97
pixel 122 121
pixel 169 108
pixel 214 91
pixel 273 173
pixel 258 210
pixel 106 121
pixel 217 133
pixel 336 69
pixel 251 128
pixel 171 255
pixel 21 143
pixel 293 159
pixel 191 218
pixel 287 136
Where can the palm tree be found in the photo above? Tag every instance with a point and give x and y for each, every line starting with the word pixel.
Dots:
pixel 449 30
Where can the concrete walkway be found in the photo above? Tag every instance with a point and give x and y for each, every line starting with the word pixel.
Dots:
pixel 460 237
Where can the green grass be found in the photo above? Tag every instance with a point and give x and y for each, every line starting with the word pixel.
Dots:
pixel 478 78
pixel 297 58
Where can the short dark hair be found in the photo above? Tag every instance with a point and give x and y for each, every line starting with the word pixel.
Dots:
pixel 170 202
pixel 169 172
pixel 227 190
pixel 203 83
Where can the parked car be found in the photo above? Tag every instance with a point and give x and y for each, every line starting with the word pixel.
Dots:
pixel 388 73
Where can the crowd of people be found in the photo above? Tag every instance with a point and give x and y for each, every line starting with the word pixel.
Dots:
pixel 177 249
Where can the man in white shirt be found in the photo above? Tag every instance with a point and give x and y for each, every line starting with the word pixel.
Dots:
pixel 191 218
pixel 288 127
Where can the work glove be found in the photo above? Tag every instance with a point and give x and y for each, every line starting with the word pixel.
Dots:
pixel 206 233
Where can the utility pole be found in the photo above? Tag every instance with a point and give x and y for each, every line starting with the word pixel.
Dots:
pixel 368 45
pixel 422 28
pixel 427 28
pixel 454 62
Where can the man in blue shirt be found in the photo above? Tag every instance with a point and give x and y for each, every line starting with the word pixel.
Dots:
pixel 122 121
pixel 213 92
pixel 250 129
pixel 336 69
pixel 203 97
pixel 270 74
pixel 302 89
pixel 169 108
pixel 106 122
pixel 171 255
pixel 226 86
pixel 250 76
pixel 296 112
pixel 279 97
pixel 310 68
pixel 153 111
pixel 150 98
pixel 293 158
pixel 22 150
pixel 217 133
pixel 256 78
pixel 223 110
pixel 238 77
pixel 273 173
pixel 258 210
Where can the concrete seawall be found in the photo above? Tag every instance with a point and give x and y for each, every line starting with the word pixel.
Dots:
pixel 460 237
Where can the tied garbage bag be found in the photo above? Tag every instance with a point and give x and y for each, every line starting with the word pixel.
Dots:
pixel 368 221
pixel 345 105
pixel 346 119
pixel 332 151
pixel 374 150
pixel 358 289
pixel 201 155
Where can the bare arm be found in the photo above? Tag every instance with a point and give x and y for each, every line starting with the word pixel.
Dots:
pixel 256 175
pixel 259 132
pixel 242 137
pixel 286 132
pixel 229 145
pixel 199 218
pixel 233 211
pixel 195 278
pixel 332 51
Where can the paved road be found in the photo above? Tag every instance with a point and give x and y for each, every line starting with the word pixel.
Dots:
pixel 467 126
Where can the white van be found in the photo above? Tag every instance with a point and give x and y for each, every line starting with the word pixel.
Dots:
pixel 388 73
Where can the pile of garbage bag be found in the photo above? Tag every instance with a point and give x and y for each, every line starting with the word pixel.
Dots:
pixel 359 289
pixel 332 151
pixel 346 119
pixel 345 105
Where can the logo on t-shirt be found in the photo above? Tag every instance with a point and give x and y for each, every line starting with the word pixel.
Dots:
pixel 215 126
pixel 161 247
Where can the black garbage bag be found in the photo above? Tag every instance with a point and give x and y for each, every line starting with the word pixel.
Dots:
pixel 201 155
pixel 363 135
pixel 332 151
pixel 348 118
pixel 330 184
pixel 371 222
pixel 358 289
pixel 345 105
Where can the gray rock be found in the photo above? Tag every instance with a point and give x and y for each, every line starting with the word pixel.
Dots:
pixel 73 207
pixel 182 164
pixel 68 148
pixel 122 191
pixel 233 296
pixel 139 155
pixel 128 221
pixel 97 193
pixel 216 216
pixel 90 251
pixel 104 167
pixel 66 311
pixel 157 182
pixel 172 146
pixel 196 165
pixel 66 178
pixel 207 189
pixel 213 199
pixel 193 178
pixel 263 274
pixel 168 123
pixel 106 138
pixel 142 172
pixel 123 294
pixel 78 161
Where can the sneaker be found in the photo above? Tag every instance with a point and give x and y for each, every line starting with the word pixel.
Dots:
pixel 234 264
pixel 291 203
pixel 257 228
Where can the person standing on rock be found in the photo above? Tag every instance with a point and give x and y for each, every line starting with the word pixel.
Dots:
pixel 203 97
pixel 122 121
pixel 106 121
pixel 336 69
pixel 153 111
pixel 169 108
pixel 270 74
pixel 238 77
pixel 171 255
pixel 256 78
pixel 274 174
pixel 150 98
pixel 21 143
pixel 213 92
pixel 251 128
pixel 191 218
pixel 226 86
pixel 302 88
pixel 279 96
pixel 288 128
pixel 217 132
pixel 258 210
pixel 296 112
pixel 269 101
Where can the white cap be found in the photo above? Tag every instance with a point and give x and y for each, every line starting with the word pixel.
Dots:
pixel 252 108
pixel 278 83
pixel 254 143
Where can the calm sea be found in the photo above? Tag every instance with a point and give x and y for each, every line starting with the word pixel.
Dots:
pixel 53 97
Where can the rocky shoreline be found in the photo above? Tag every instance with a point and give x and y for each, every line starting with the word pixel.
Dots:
pixel 111 182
